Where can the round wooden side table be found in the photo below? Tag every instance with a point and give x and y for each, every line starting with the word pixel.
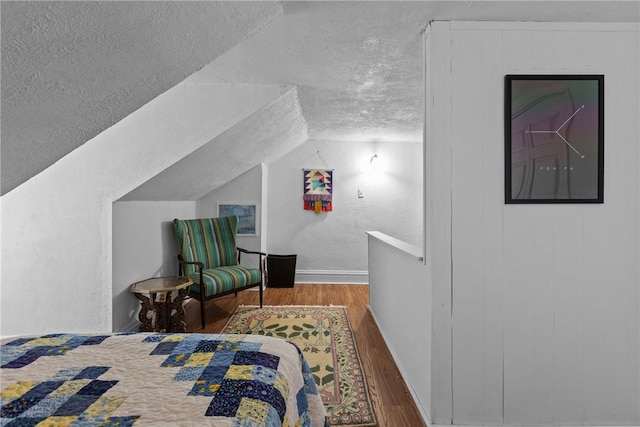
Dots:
pixel 161 301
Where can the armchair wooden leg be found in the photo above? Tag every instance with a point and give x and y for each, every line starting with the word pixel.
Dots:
pixel 202 296
pixel 260 295
pixel 202 312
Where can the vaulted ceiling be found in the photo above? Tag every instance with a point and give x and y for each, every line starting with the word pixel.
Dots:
pixel 353 69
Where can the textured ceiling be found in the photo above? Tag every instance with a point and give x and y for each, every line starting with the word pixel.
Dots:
pixel 358 66
pixel 72 69
pixel 357 78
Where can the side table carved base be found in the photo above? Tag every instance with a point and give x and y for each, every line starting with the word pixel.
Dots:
pixel 175 312
pixel 147 313
pixel 161 304
pixel 164 315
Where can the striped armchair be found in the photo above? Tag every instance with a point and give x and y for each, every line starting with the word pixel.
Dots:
pixel 210 258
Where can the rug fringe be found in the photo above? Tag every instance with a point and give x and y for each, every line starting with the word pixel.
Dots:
pixel 293 305
pixel 275 306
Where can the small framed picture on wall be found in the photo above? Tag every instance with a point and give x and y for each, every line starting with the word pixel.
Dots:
pixel 247 214
pixel 554 138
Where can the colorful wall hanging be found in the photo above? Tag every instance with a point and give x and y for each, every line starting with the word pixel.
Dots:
pixel 318 189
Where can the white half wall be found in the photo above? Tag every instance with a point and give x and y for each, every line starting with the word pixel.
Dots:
pixel 59 223
pixel 400 302
pixel 544 310
pixel 335 241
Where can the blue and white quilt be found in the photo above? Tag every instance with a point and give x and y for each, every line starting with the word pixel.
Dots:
pixel 156 379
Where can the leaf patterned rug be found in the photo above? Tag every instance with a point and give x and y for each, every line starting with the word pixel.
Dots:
pixel 324 335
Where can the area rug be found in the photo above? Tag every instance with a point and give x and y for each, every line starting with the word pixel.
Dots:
pixel 325 337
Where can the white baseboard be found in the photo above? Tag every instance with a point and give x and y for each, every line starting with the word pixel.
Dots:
pixel 332 276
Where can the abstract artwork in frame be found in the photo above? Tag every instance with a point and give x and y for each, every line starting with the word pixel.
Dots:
pixel 554 138
pixel 246 213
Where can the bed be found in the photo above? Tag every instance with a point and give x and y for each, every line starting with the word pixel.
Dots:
pixel 141 379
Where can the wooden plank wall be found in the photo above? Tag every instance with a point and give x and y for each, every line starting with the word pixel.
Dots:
pixel 545 325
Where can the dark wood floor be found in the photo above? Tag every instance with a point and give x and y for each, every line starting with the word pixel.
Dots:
pixel 391 401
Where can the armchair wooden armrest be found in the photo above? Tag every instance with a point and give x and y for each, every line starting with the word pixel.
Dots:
pixel 181 262
pixel 261 254
pixel 245 251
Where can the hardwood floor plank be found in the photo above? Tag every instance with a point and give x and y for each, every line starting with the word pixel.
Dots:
pixel 391 400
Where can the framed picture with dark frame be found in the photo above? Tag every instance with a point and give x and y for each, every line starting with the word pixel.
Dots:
pixel 554 138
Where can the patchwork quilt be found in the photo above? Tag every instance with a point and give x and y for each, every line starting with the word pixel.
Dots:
pixel 156 379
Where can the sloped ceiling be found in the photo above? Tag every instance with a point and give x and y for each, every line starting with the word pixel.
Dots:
pixel 72 69
pixel 267 134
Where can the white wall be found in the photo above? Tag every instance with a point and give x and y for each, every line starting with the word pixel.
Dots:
pixel 144 245
pixel 247 188
pixel 336 240
pixel 59 223
pixel 544 308
pixel 395 185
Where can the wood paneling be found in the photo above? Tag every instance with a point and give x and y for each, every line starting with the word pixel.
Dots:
pixel 544 306
pixel 391 400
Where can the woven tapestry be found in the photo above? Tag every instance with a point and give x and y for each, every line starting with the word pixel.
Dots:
pixel 318 189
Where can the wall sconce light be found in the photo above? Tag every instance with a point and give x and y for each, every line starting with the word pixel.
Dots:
pixel 374 162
